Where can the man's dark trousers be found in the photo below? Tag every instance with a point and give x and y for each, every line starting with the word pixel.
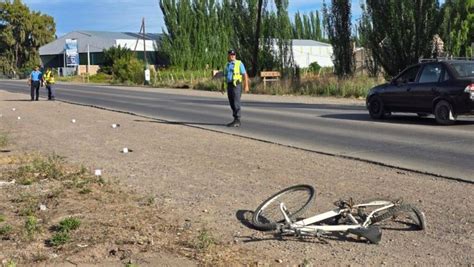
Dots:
pixel 35 86
pixel 49 87
pixel 234 93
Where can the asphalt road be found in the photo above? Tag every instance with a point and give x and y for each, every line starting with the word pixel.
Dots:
pixel 404 141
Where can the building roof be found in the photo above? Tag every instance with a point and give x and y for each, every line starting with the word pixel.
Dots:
pixel 97 41
pixel 301 42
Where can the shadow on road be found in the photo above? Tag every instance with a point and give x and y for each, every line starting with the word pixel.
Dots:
pixel 260 104
pixel 395 119
pixel 17 100
pixel 182 122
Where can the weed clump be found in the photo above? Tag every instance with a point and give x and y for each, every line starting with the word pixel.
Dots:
pixel 69 224
pixel 204 240
pixel 63 231
pixel 31 226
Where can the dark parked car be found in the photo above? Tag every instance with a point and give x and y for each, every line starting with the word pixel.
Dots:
pixel 444 88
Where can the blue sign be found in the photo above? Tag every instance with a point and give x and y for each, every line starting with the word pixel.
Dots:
pixel 72 53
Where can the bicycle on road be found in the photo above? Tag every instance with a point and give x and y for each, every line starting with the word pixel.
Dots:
pixel 280 212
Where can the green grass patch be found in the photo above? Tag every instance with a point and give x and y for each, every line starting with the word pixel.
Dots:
pixel 31 226
pixel 40 168
pixel 53 167
pixel 64 228
pixel 100 78
pixel 357 87
pixel 10 263
pixel 68 224
pixel 28 210
pixel 85 191
pixel 2 218
pixel 5 230
pixel 204 240
pixel 209 85
pixel 60 239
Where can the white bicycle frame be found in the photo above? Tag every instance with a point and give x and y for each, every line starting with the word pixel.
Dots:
pixel 307 225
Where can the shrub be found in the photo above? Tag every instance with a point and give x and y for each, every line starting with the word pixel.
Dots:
pixel 314 67
pixel 100 78
pixel 112 55
pixel 129 71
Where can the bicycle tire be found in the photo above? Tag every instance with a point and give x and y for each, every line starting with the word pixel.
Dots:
pixel 267 216
pixel 361 212
pixel 415 214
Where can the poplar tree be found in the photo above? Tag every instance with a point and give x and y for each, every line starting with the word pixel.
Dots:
pixel 298 26
pixel 399 32
pixel 457 28
pixel 338 27
pixel 198 33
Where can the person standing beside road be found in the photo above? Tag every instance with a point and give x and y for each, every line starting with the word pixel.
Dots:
pixel 35 81
pixel 234 75
pixel 49 81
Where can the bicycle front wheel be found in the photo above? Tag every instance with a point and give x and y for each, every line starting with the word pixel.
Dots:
pixel 295 198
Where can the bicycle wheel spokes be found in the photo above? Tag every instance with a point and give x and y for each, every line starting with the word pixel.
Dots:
pixel 403 213
pixel 295 199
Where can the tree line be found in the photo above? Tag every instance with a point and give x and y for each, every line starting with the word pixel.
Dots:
pixel 397 33
pixel 22 32
pixel 199 32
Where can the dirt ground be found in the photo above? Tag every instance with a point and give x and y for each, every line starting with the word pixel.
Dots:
pixel 206 180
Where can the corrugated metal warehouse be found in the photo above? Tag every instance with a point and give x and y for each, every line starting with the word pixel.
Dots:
pixel 53 54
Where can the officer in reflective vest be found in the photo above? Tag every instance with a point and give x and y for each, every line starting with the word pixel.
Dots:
pixel 48 78
pixel 234 75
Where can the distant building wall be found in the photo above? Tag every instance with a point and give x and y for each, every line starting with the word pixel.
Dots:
pixel 305 55
pixel 93 69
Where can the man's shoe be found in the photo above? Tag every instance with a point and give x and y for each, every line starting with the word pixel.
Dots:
pixel 235 123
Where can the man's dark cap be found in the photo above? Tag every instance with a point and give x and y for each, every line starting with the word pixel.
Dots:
pixel 231 52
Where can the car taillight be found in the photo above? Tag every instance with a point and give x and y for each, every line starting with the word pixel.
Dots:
pixel 470 88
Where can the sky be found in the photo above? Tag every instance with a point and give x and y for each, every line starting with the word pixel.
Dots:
pixel 126 15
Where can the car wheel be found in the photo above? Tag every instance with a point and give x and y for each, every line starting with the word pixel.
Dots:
pixel 444 113
pixel 376 108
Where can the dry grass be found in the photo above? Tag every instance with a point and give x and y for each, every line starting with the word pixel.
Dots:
pixel 106 222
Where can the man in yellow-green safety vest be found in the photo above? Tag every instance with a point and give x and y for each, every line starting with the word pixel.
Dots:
pixel 234 75
pixel 48 79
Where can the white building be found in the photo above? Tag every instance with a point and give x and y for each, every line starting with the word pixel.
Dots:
pixel 306 52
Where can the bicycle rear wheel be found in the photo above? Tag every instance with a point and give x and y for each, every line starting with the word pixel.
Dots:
pixel 296 199
pixel 403 212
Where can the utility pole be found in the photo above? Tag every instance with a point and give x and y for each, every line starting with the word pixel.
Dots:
pixel 88 61
pixel 144 43
pixel 143 35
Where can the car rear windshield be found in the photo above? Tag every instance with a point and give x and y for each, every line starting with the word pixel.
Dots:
pixel 463 69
